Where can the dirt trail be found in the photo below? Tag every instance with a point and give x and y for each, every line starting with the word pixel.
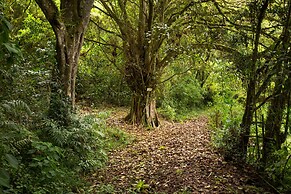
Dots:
pixel 176 158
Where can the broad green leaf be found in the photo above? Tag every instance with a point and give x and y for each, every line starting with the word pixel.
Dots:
pixel 4 178
pixel 7 24
pixel 12 161
pixel 11 48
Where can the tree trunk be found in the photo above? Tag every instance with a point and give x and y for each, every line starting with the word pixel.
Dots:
pixel 251 90
pixel 143 110
pixel 273 137
pixel 247 119
pixel 68 48
pixel 69 23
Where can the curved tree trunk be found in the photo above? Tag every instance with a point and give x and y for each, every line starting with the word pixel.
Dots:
pixel 69 23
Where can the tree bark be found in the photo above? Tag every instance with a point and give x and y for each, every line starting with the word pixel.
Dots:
pixel 69 23
pixel 247 118
pixel 143 110
pixel 251 90
pixel 273 137
pixel 142 82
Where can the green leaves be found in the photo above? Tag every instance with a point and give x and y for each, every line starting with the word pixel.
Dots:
pixel 11 48
pixel 4 175
pixel 12 161
pixel 5 28
pixel 4 178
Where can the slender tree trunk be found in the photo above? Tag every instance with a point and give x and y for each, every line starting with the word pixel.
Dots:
pixel 251 90
pixel 247 118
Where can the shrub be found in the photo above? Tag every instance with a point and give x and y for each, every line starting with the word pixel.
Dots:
pixel 181 97
pixel 101 84
pixel 47 157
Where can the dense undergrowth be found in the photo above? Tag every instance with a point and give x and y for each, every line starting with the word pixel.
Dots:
pixel 39 156
pixel 225 124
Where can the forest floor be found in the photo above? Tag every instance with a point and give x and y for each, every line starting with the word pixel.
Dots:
pixel 175 158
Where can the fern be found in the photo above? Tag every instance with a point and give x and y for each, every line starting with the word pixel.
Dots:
pixel 14 135
pixel 16 109
pixel 81 141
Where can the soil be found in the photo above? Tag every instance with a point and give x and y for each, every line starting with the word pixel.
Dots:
pixel 175 158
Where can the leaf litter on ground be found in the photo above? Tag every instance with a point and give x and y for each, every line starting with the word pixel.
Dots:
pixel 175 158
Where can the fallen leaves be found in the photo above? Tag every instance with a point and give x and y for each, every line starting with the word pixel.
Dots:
pixel 176 157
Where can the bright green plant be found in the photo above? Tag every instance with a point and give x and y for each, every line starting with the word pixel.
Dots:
pixel 141 187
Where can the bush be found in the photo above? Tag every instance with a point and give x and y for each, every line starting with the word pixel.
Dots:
pixel 226 116
pixel 180 98
pixel 278 169
pixel 100 84
pixel 46 157
pixel 226 139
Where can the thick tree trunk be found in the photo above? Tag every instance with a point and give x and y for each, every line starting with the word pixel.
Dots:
pixel 273 137
pixel 143 110
pixel 64 75
pixel 68 48
pixel 142 83
pixel 69 23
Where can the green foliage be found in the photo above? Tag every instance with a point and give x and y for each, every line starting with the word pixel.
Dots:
pixel 226 114
pixel 82 141
pixel 278 168
pixel 101 83
pixel 47 157
pixel 8 53
pixel 181 97
pixel 105 189
pixel 15 138
pixel 44 171
pixel 226 136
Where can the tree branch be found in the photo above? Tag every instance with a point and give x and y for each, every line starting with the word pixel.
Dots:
pixel 50 10
pixel 108 31
pixel 176 74
pixel 105 44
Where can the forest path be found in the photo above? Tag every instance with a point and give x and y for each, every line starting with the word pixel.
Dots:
pixel 175 158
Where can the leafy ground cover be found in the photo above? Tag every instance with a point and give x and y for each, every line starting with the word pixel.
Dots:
pixel 175 158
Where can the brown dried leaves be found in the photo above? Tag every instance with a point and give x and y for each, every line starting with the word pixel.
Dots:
pixel 176 157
